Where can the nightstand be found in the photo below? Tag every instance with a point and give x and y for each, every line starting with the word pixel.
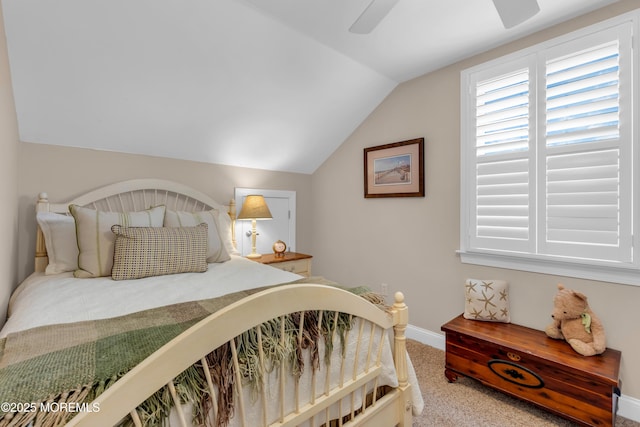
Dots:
pixel 291 261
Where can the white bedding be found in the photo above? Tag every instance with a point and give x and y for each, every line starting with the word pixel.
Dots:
pixel 61 298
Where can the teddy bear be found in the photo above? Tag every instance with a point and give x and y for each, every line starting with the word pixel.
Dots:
pixel 574 321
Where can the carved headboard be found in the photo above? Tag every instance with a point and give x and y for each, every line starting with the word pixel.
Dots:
pixel 131 195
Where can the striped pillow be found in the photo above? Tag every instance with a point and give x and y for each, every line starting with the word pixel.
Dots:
pixel 155 251
pixel 95 239
pixel 218 251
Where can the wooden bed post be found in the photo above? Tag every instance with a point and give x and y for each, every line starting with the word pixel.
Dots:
pixel 41 258
pixel 232 215
pixel 401 320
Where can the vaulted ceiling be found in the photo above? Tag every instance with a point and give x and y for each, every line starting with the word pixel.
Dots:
pixel 268 84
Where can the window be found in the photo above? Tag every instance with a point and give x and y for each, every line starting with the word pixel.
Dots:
pixel 549 157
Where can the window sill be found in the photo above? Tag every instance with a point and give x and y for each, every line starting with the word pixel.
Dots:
pixel 622 275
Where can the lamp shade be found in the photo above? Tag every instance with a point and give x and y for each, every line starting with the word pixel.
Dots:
pixel 254 207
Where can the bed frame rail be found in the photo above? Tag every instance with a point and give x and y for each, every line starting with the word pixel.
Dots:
pixel 191 347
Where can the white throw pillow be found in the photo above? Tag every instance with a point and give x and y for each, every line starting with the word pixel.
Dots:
pixel 96 241
pixel 60 240
pixel 217 251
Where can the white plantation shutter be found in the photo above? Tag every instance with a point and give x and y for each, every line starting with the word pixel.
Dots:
pixel 582 96
pixel 583 204
pixel 548 153
pixel 585 145
pixel 502 166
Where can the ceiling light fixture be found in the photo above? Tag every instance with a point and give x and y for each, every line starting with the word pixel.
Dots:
pixel 514 12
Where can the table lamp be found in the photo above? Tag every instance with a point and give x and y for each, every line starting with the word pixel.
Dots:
pixel 254 208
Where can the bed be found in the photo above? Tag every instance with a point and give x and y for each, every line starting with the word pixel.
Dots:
pixel 100 334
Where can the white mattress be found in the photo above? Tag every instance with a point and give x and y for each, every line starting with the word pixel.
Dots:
pixel 61 298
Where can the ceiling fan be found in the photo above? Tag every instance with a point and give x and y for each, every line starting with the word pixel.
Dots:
pixel 512 13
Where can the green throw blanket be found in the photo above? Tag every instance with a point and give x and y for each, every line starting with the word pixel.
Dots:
pixel 49 373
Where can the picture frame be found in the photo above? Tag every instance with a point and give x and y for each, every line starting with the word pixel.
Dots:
pixel 394 170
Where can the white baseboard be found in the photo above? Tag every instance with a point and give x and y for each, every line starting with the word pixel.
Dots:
pixel 628 407
pixel 433 339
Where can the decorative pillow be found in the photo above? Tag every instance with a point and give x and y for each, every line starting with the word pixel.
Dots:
pixel 95 239
pixel 217 249
pixel 60 240
pixel 487 300
pixel 155 251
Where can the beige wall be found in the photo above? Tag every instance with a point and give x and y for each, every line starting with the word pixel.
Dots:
pixel 8 179
pixel 66 172
pixel 410 243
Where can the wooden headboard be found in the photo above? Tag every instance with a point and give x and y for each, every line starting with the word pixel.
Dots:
pixel 128 196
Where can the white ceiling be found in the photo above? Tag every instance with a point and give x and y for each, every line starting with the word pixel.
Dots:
pixel 269 84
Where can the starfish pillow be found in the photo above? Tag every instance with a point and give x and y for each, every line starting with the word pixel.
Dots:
pixel 487 300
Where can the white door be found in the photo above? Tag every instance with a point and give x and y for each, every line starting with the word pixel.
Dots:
pixel 282 205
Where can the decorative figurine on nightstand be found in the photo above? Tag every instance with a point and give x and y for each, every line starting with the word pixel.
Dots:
pixel 279 248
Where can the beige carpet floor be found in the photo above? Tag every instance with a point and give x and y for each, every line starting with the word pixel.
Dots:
pixel 467 403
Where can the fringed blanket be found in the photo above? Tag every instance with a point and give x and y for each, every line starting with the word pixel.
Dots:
pixel 49 373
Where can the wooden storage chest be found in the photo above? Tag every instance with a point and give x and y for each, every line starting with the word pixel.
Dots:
pixel 527 364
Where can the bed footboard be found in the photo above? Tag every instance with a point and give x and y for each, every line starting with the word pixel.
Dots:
pixel 350 397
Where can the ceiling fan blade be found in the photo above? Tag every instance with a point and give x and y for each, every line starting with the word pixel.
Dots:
pixel 372 15
pixel 514 12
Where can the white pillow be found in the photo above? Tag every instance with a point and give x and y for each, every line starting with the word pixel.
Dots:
pixel 96 241
pixel 217 251
pixel 60 240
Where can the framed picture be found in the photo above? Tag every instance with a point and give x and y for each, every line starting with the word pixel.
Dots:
pixel 394 170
